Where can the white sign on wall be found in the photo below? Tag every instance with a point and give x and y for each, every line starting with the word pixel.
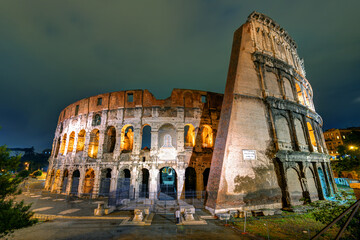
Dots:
pixel 249 154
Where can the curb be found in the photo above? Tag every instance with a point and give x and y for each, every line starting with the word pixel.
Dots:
pixel 47 217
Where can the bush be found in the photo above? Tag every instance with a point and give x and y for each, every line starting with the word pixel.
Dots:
pixel 14 216
pixel 37 173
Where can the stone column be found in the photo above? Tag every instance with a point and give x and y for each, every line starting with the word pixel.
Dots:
pixel 307 135
pixel 180 138
pixel 137 141
pixel 133 187
pixel 96 186
pixel 60 182
pixel 69 183
pixel 117 149
pixel 153 183
pixel 86 144
pixel 113 185
pixel 154 140
pixel 101 144
pixel 81 180
pixel 318 182
pixel 199 183
pixel 180 182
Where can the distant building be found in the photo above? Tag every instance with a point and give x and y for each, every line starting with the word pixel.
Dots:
pixel 337 137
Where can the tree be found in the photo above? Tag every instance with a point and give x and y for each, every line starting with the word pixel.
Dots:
pixel 12 215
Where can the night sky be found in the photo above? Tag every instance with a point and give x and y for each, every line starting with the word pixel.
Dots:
pixel 53 53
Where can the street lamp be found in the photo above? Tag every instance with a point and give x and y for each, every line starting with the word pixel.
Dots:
pixel 26 165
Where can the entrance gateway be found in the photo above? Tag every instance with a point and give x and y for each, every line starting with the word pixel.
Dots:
pixel 167 184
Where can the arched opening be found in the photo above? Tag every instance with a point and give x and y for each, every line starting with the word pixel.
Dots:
pixel 63 144
pixel 189 135
pixel 57 147
pixel 81 141
pixel 323 182
pixel 110 140
pixel 190 182
pixel 105 182
pixel 96 120
pixel 299 132
pixel 299 94
pixel 207 136
pixel 71 142
pixel 127 138
pixel 144 187
pixel 294 186
pixel 311 184
pixel 288 89
pixel 89 181
pixel 146 138
pixel 94 143
pixel 64 181
pixel 282 129
pixel 123 185
pixel 206 177
pixel 168 184
pixel 311 134
pixel 307 99
pixel 75 182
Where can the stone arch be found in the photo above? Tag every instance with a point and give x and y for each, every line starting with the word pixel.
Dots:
pixel 105 181
pixel 272 84
pixel 94 143
pixel 123 184
pixel 89 181
pixel 63 144
pixel 146 137
pixel 127 138
pixel 190 182
pixel 64 181
pixel 207 136
pixel 96 120
pixel 294 186
pixel 288 89
pixel 71 142
pixel 80 141
pixel 167 183
pixel 110 140
pixel 310 178
pixel 300 133
pixel 282 129
pixel 75 182
pixel 189 135
pixel 144 183
pixel 311 134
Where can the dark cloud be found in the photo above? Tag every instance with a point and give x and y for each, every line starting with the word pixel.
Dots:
pixel 54 53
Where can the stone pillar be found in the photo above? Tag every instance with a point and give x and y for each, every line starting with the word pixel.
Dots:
pixel 60 182
pixel 69 183
pixel 180 138
pixel 133 187
pixel 153 182
pixel 81 180
pixel 117 149
pixel 180 182
pixel 113 185
pixel 48 177
pixel 101 144
pixel 199 183
pixel 154 140
pixel 137 141
pixel 86 145
pixel 96 186
pixel 307 135
pixel 318 182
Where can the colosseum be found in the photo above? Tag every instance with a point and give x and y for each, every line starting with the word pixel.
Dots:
pixel 259 145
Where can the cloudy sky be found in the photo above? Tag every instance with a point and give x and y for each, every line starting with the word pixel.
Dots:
pixel 53 53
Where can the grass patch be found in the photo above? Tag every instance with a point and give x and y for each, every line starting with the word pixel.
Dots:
pixel 286 226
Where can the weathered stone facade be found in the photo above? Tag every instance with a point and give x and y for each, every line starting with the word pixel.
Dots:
pixel 269 148
pixel 101 138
